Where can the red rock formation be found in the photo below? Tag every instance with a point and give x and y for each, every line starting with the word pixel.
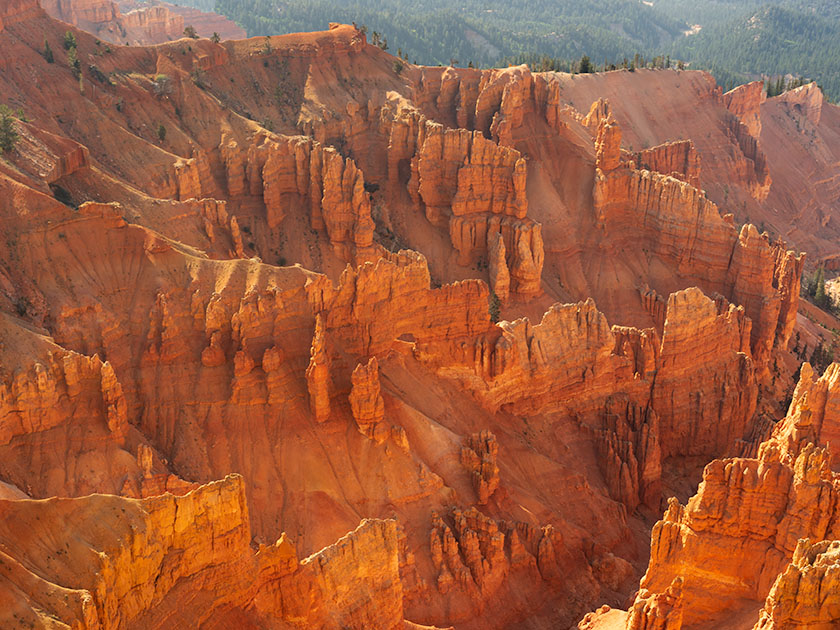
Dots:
pixel 737 534
pixel 747 270
pixel 757 173
pixel 205 24
pixel 478 456
pixel 745 102
pixel 16 11
pixel 630 454
pixel 807 101
pixel 499 272
pixel 807 593
pixel 366 401
pixel 660 611
pixel 122 21
pixel 143 563
pixel 677 159
pixel 694 327
pixel 472 185
pixel 318 374
pixel 231 356
pixel 293 172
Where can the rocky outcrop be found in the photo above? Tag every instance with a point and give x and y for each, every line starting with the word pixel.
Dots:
pixel 478 456
pixel 120 562
pixel 61 410
pixel 293 172
pixel 204 23
pixel 683 226
pixel 677 159
pixel 812 417
pixel 376 304
pixel 474 554
pixel 638 395
pixel 756 172
pixel 82 11
pixel 499 272
pixel 473 186
pixel 721 408
pixel 318 374
pixel 15 11
pixel 103 18
pixel 745 102
pixel 366 402
pixel 658 611
pixel 739 532
pixel 629 453
pixel 807 593
pixel 806 102
pixel 650 611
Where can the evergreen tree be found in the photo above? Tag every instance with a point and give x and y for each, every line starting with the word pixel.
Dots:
pixel 48 53
pixel 8 133
pixel 69 40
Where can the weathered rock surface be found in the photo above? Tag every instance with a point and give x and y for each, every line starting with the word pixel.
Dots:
pixel 137 22
pixel 745 102
pixel 126 563
pixel 807 593
pixel 366 401
pixel 312 312
pixel 739 540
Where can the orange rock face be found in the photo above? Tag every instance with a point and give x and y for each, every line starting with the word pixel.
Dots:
pixel 129 21
pixel 806 594
pixel 295 290
pixel 744 535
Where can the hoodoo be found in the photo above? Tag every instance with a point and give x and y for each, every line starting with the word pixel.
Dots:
pixel 297 334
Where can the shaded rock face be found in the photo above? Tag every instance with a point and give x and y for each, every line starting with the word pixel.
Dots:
pixel 745 535
pixel 313 314
pixel 130 21
pixel 15 11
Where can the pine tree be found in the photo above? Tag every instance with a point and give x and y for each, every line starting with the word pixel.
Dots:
pixel 69 40
pixel 8 134
pixel 48 53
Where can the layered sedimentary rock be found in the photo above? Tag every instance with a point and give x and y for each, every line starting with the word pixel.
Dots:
pixel 807 593
pixel 807 101
pixel 736 536
pixel 650 611
pixel 58 412
pixel 127 563
pixel 684 226
pixel 289 173
pixel 677 159
pixel 205 24
pixel 692 322
pixel 745 102
pixel 473 186
pixel 478 456
pixel 15 11
pixel 637 393
pixel 137 22
pixel 248 319
pixel 757 171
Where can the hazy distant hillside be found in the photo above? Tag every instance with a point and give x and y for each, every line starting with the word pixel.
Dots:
pixel 738 40
pixel 436 31
pixel 772 40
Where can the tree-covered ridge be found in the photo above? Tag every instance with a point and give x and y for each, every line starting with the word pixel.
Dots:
pixel 483 32
pixel 771 41
pixel 739 40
